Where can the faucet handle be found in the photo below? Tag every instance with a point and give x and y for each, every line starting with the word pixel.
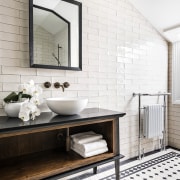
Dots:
pixel 57 85
pixel 66 84
pixel 47 84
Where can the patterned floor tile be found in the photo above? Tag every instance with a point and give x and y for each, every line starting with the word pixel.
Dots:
pixel 164 165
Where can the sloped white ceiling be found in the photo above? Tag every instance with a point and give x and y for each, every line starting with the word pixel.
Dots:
pixel 164 15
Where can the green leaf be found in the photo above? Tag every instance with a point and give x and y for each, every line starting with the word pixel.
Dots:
pixel 26 96
pixel 12 97
pixel 19 96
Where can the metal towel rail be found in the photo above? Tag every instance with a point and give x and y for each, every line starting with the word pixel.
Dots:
pixel 163 144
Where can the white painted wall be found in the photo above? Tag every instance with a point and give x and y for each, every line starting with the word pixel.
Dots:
pixel 122 54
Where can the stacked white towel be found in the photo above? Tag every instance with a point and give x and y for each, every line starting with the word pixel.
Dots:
pixel 88 144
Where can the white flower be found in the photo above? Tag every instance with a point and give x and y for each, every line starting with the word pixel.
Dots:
pixel 31 83
pixel 36 91
pixel 36 100
pixel 35 113
pixel 30 88
pixel 29 108
pixel 24 88
pixel 24 115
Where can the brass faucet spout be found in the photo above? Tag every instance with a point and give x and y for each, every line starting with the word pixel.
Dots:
pixel 62 87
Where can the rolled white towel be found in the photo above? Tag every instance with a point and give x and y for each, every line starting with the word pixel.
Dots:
pixel 91 146
pixel 92 153
pixel 86 137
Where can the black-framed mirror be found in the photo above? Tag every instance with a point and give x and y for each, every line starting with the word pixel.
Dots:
pixel 55 34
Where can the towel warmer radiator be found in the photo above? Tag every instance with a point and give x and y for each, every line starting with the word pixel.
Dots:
pixel 163 144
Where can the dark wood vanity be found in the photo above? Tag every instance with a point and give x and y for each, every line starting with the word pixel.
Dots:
pixel 38 149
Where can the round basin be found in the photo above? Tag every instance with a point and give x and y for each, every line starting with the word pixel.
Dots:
pixel 66 106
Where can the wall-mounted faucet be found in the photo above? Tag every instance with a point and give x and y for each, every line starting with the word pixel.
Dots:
pixel 63 86
pixel 57 85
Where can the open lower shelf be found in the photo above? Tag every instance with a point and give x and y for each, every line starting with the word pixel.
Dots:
pixel 44 164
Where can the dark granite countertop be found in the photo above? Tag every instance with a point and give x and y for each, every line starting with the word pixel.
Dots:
pixel 47 119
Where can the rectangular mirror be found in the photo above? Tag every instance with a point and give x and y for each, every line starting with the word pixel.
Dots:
pixel 55 34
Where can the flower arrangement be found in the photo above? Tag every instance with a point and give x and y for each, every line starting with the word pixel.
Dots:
pixel 30 95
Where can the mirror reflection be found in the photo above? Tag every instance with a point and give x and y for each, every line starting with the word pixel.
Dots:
pixel 55 34
pixel 51 36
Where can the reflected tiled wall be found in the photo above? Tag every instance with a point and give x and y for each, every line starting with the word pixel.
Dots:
pixel 174 112
pixel 122 54
pixel 43 42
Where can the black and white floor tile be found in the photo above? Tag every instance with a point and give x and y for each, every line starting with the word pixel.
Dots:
pixel 164 165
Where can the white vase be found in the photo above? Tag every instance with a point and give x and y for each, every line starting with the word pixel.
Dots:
pixel 12 109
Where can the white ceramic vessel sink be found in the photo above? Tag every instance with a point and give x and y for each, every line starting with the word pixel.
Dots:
pixel 66 106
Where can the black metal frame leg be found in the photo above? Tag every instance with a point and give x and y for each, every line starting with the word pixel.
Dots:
pixel 95 170
pixel 117 169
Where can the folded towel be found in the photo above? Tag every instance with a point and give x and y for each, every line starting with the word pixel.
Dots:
pixel 86 137
pixel 83 133
pixel 92 153
pixel 91 146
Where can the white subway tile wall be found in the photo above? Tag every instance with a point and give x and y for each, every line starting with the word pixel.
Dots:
pixel 43 46
pixel 174 112
pixel 122 54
